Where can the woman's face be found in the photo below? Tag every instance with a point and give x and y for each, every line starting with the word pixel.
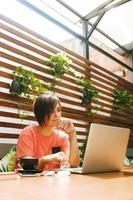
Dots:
pixel 55 117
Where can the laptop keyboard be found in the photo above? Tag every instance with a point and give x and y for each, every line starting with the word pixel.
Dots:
pixel 76 170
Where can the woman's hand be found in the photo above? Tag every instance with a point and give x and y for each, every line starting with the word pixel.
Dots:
pixel 67 126
pixel 59 157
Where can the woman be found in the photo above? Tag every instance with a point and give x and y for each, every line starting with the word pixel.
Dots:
pixel 49 136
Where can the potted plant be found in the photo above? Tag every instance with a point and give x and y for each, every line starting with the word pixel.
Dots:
pixel 89 93
pixel 123 99
pixel 25 84
pixel 59 65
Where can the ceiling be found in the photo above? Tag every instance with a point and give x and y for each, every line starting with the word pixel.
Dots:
pixel 116 23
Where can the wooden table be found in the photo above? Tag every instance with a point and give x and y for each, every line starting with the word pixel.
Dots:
pixel 100 186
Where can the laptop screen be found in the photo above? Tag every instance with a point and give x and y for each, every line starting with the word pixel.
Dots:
pixel 105 149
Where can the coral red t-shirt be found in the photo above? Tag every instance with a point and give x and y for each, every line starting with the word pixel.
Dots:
pixel 32 143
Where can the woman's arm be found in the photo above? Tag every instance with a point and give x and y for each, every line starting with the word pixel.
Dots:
pixel 68 127
pixel 74 150
pixel 59 158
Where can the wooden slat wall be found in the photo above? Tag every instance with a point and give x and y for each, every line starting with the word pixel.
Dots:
pixel 21 46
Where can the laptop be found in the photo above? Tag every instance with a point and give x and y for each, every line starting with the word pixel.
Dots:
pixel 105 149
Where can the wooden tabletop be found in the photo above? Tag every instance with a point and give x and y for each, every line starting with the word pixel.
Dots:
pixel 61 186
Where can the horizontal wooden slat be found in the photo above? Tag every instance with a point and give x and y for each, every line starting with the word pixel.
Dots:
pixel 10 136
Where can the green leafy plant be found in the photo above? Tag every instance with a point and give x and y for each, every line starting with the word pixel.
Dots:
pixel 8 161
pixel 25 84
pixel 89 93
pixel 59 64
pixel 123 99
pixel 82 152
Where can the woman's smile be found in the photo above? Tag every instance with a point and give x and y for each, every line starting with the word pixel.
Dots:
pixel 56 120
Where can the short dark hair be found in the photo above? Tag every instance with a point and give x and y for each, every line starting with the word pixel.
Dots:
pixel 44 105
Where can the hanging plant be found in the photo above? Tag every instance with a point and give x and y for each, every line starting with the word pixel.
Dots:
pixel 89 93
pixel 123 99
pixel 59 64
pixel 24 84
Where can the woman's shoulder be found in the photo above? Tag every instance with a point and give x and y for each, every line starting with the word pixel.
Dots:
pixel 28 129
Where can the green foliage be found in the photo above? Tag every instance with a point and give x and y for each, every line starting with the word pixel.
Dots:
pixel 59 64
pixel 25 84
pixel 89 93
pixel 82 152
pixel 123 99
pixel 8 161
